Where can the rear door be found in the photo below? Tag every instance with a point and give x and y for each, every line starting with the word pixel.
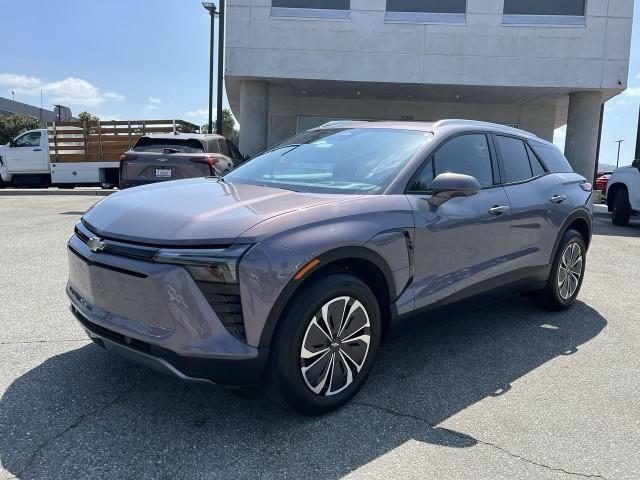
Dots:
pixel 536 201
pixel 28 154
pixel 461 246
pixel 157 159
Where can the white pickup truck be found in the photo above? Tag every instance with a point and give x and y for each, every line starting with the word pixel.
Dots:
pixel 623 193
pixel 76 153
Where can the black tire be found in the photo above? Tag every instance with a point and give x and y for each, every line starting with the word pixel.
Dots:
pixel 285 378
pixel 558 295
pixel 621 209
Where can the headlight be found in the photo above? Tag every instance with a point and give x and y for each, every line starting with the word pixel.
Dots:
pixel 206 265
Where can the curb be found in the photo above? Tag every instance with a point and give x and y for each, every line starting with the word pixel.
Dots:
pixel 14 192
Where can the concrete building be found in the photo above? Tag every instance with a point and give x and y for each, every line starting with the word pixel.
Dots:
pixel 60 113
pixel 535 64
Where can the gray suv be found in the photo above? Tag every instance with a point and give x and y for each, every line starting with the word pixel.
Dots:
pixel 291 269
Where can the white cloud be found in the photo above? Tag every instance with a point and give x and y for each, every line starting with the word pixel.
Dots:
pixel 154 103
pixel 199 113
pixel 629 96
pixel 70 91
pixel 115 116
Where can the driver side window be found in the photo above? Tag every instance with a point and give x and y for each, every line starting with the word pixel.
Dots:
pixel 28 140
pixel 467 154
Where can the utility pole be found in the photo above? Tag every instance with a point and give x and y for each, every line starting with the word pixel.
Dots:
pixel 637 158
pixel 211 8
pixel 13 95
pixel 220 65
pixel 619 142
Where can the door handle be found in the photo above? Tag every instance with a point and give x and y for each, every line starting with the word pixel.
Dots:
pixel 558 199
pixel 37 149
pixel 499 210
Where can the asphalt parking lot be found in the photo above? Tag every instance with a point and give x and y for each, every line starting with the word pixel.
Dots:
pixel 507 391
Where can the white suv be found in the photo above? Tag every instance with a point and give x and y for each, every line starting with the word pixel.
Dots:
pixel 623 193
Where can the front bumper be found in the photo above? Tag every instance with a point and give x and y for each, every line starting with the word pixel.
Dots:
pixel 156 315
pixel 190 369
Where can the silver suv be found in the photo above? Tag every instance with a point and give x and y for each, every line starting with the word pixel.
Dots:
pixel 291 268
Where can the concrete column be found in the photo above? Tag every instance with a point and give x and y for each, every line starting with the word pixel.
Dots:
pixel 582 132
pixel 254 115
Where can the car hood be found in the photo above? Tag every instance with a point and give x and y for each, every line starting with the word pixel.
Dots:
pixel 194 212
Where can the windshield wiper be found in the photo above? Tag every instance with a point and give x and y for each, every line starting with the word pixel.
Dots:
pixel 169 151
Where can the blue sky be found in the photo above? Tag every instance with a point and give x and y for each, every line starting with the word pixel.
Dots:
pixel 150 59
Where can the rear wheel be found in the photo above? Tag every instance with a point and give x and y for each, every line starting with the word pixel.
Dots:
pixel 567 273
pixel 325 345
pixel 621 208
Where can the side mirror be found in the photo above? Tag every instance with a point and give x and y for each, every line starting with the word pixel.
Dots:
pixel 449 185
pixel 636 163
pixel 12 143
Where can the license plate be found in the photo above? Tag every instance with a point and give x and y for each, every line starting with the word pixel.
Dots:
pixel 163 172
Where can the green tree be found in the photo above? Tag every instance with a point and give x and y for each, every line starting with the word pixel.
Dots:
pixel 228 124
pixel 87 117
pixel 13 125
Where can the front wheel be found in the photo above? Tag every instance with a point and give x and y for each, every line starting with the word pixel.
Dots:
pixel 325 345
pixel 567 273
pixel 621 209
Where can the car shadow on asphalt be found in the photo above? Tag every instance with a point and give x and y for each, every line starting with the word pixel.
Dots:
pixel 85 413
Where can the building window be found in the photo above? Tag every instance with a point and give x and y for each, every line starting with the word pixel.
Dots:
pixel 311 8
pixel 426 11
pixel 565 12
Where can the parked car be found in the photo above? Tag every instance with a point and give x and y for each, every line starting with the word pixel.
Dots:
pixel 290 269
pixel 623 193
pixel 162 157
pixel 602 181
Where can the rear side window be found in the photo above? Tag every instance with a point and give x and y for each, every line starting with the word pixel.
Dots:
pixel 514 159
pixel 159 145
pixel 552 158
pixel 466 154
pixel 536 166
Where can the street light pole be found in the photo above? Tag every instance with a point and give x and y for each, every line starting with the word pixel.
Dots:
pixel 211 8
pixel 220 65
pixel 619 142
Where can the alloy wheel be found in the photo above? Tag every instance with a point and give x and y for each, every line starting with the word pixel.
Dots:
pixel 570 271
pixel 335 346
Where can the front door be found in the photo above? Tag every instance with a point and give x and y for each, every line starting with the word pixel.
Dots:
pixel 460 246
pixel 27 154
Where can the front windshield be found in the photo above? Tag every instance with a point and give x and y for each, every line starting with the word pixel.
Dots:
pixel 350 161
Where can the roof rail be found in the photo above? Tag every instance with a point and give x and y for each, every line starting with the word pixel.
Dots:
pixel 477 123
pixel 337 123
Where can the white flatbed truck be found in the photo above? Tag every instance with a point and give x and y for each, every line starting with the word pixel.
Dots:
pixel 72 154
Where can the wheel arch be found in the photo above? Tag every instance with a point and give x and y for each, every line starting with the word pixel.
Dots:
pixel 362 262
pixel 581 221
pixel 612 191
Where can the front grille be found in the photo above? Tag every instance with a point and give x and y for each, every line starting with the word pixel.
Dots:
pixel 223 298
pixel 225 301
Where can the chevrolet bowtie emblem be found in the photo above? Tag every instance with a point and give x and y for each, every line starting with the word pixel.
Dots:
pixel 95 244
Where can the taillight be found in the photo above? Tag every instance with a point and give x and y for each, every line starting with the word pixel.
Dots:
pixel 126 156
pixel 211 161
pixel 586 186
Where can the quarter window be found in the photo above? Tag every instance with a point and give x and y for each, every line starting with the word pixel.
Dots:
pixel 514 159
pixel 466 154
pixel 427 6
pixel 552 158
pixel 315 4
pixel 544 7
